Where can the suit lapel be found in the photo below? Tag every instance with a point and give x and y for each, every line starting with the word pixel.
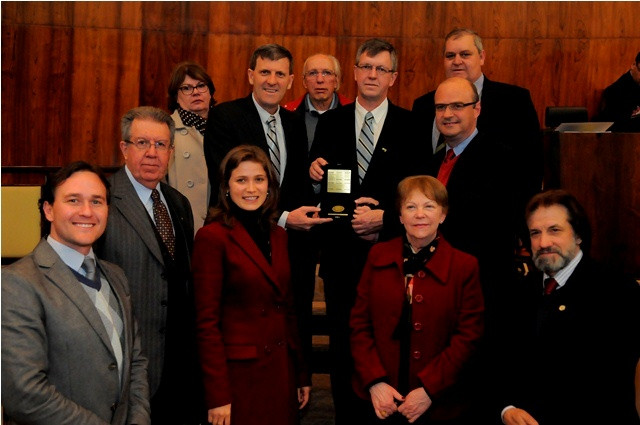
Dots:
pixel 246 243
pixel 384 144
pixel 254 126
pixel 59 274
pixel 127 202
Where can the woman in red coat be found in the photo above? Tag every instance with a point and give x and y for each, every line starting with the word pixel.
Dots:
pixel 248 343
pixel 418 317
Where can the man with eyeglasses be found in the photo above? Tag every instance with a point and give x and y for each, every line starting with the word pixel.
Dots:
pixel 508 113
pixel 485 204
pixel 150 236
pixel 374 139
pixel 321 77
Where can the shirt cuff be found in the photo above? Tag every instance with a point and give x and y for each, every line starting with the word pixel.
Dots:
pixel 504 410
pixel 282 221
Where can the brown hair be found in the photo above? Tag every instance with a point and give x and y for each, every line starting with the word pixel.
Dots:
pixel 222 210
pixel 428 186
pixel 178 75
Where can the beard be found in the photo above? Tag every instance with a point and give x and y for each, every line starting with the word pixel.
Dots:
pixel 550 265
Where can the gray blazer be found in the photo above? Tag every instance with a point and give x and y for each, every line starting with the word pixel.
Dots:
pixel 58 365
pixel 130 242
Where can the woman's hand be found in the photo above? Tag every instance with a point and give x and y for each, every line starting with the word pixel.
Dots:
pixel 220 415
pixel 415 404
pixel 383 397
pixel 303 396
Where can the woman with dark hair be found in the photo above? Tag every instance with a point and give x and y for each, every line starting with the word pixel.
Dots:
pixel 249 347
pixel 190 99
pixel 418 317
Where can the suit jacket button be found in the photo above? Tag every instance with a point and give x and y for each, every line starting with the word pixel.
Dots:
pixel 163 303
pixel 114 406
pixel 280 343
pixel 267 349
pixel 113 366
pixel 184 131
pixel 263 312
pixel 190 183
pixel 417 326
pixel 418 298
pixel 417 355
pixel 186 154
pixel 421 274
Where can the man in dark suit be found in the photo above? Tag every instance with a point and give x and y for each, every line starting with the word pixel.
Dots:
pixel 259 120
pixel 150 235
pixel 621 101
pixel 372 122
pixel 71 350
pixel 321 77
pixel 508 114
pixel 571 353
pixel 480 179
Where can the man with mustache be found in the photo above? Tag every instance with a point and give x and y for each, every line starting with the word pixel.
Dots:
pixel 573 346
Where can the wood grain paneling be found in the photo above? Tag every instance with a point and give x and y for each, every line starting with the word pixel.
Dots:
pixel 71 69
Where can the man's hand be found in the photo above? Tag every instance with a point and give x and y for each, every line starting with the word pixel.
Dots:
pixel 299 220
pixel 315 170
pixel 515 416
pixel 367 222
pixel 383 397
pixel 415 404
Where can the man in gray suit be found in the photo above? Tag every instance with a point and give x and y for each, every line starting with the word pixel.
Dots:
pixel 70 345
pixel 150 235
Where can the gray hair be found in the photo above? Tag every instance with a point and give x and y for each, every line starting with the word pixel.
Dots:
pixel 459 32
pixel 374 46
pixel 146 113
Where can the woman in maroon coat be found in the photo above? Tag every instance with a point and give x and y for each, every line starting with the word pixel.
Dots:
pixel 418 317
pixel 247 336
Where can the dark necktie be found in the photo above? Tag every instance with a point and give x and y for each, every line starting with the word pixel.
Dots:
pixel 550 285
pixel 447 165
pixel 163 222
pixel 91 279
pixel 274 149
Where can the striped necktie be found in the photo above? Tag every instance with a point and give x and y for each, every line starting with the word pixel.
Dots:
pixel 365 145
pixel 274 149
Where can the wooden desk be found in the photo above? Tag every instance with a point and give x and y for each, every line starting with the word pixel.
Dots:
pixel 603 172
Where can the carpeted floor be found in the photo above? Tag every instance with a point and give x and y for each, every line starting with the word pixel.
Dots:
pixel 320 409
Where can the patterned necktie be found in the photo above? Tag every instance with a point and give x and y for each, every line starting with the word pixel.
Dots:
pixel 365 145
pixel 447 165
pixel 274 149
pixel 89 267
pixel 163 222
pixel 550 285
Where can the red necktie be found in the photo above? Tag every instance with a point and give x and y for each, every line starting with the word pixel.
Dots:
pixel 446 166
pixel 550 285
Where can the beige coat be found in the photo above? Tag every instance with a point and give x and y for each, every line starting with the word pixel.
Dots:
pixel 188 170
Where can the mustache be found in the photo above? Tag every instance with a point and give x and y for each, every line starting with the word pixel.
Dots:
pixel 547 251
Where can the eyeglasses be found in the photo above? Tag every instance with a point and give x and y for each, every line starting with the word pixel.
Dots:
pixel 455 107
pixel 380 70
pixel 145 145
pixel 314 73
pixel 187 90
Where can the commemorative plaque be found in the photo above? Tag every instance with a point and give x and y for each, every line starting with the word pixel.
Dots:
pixel 336 197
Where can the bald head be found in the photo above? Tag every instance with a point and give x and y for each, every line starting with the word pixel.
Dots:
pixel 457 109
pixel 321 78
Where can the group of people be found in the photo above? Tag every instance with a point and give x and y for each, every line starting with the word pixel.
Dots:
pixel 424 306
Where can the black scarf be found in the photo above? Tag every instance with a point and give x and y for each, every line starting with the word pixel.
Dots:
pixel 192 120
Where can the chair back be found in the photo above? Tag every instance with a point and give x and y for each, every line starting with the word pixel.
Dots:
pixel 20 220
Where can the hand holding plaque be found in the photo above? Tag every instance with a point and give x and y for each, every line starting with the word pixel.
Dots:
pixel 336 202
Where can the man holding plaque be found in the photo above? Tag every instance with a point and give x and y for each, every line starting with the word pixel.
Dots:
pixel 360 153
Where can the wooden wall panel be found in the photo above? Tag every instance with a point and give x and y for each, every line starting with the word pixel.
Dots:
pixel 71 69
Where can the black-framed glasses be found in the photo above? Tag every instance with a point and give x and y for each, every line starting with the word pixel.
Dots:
pixel 325 73
pixel 455 106
pixel 380 70
pixel 187 89
pixel 145 145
